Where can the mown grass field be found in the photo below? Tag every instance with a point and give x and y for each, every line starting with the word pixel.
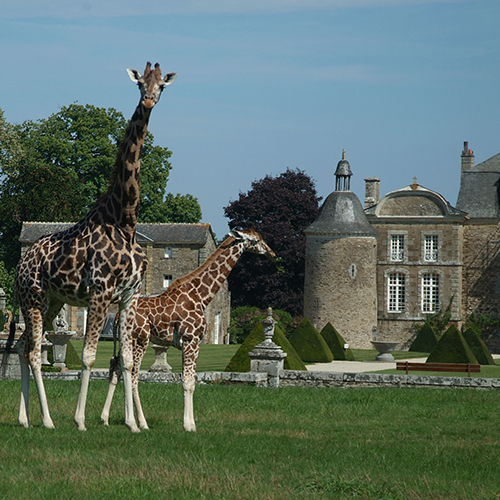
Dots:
pixel 256 443
pixel 211 358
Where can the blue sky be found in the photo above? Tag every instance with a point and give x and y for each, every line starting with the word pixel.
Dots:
pixel 265 85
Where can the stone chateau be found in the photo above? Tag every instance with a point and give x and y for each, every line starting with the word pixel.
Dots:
pixel 379 269
pixel 173 250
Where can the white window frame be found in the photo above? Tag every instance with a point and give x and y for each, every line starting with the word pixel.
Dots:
pixel 396 292
pixel 167 280
pixel 430 292
pixel 397 249
pixel 431 247
pixel 168 253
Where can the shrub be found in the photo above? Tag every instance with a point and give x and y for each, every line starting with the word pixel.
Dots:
pixel 478 347
pixel 452 348
pixel 336 343
pixel 244 318
pixel 426 339
pixel 309 344
pixel 240 362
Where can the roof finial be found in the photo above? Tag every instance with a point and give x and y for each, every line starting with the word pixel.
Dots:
pixel 414 186
pixel 343 154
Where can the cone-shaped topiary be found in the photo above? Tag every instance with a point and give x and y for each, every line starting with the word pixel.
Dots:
pixel 452 348
pixel 336 343
pixel 478 347
pixel 426 339
pixel 309 344
pixel 240 362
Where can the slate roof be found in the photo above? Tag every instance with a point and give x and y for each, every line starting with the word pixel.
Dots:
pixel 479 189
pixel 341 216
pixel 155 233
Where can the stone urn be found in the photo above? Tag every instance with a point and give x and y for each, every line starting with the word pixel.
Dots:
pixel 59 340
pixel 384 347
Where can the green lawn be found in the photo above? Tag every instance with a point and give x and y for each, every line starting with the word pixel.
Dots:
pixel 257 443
pixel 211 357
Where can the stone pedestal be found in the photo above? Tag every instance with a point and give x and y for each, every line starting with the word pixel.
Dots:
pixel 59 340
pixel 10 367
pixel 267 356
pixel 160 364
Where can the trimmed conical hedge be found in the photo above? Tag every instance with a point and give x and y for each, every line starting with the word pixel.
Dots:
pixel 452 348
pixel 240 362
pixel 336 343
pixel 309 344
pixel 478 347
pixel 425 341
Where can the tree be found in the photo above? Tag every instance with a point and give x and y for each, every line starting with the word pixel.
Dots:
pixel 55 169
pixel 279 208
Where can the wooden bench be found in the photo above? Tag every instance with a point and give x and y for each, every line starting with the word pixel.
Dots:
pixel 438 367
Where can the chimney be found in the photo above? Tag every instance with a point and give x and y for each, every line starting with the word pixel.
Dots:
pixel 372 191
pixel 467 157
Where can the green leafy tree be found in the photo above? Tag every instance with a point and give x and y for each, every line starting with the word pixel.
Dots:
pixel 54 169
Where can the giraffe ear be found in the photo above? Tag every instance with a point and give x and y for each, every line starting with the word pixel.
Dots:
pixel 236 234
pixel 169 78
pixel 134 75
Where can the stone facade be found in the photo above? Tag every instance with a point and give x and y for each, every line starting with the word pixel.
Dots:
pixel 429 255
pixel 419 261
pixel 173 250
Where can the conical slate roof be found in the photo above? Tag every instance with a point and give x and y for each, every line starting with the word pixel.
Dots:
pixel 341 216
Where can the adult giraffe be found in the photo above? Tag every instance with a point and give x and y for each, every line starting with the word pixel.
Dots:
pixel 176 317
pixel 92 264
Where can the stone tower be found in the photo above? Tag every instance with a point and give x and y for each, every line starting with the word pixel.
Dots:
pixel 340 275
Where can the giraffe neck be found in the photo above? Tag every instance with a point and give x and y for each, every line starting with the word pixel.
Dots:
pixel 210 276
pixel 121 203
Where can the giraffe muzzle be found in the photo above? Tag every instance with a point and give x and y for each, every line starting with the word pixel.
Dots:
pixel 148 103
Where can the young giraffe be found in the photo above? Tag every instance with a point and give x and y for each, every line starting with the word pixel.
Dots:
pixel 176 317
pixel 92 264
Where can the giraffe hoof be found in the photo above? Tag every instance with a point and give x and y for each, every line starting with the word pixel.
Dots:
pixel 133 428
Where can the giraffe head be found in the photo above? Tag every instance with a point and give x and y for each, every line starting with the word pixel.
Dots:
pixel 253 242
pixel 151 84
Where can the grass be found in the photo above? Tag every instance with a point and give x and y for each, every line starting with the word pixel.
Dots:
pixel 211 358
pixel 255 443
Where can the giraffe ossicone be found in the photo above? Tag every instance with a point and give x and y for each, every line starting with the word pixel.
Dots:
pixel 94 263
pixel 176 318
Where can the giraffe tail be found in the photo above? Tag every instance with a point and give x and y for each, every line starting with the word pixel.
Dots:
pixel 114 363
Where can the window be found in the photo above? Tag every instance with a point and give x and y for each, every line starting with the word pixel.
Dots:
pixel 431 248
pixel 396 292
pixel 430 293
pixel 168 253
pixel 167 280
pixel 397 247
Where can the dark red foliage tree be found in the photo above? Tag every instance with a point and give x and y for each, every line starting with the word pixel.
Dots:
pixel 279 208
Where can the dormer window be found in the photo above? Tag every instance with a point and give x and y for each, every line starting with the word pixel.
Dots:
pixel 167 280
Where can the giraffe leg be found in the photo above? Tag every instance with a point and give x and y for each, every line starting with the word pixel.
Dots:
pixel 190 351
pixel 139 351
pixel 127 312
pixel 25 383
pixel 98 307
pixel 34 323
pixel 113 381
